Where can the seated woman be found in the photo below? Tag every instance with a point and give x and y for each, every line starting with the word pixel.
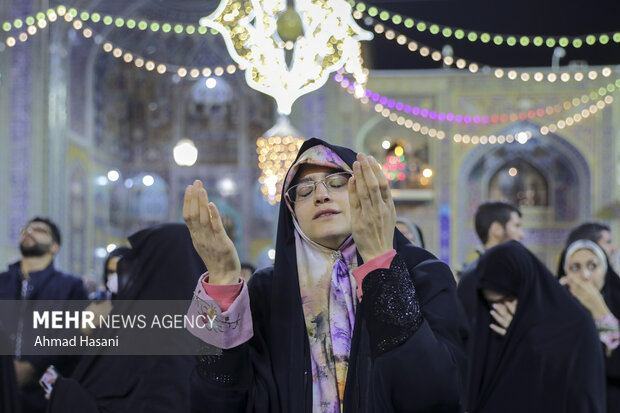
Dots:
pixel 594 283
pixel 160 266
pixel 534 348
pixel 352 317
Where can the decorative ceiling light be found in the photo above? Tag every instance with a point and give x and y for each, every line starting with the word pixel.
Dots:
pixel 276 151
pixel 323 35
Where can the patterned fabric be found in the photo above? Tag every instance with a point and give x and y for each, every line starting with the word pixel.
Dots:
pixel 609 332
pixel 327 289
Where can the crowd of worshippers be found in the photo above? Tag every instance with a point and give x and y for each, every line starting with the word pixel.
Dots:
pixel 355 315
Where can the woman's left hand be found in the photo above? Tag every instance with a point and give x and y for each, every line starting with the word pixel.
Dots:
pixel 373 216
pixel 587 294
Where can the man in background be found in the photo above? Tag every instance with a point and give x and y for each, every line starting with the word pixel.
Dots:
pixel 34 277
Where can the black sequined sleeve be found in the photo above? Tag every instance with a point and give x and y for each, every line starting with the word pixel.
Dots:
pixel 390 306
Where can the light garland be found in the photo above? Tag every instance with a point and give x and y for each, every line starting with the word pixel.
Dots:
pixel 323 36
pixel 479 119
pixel 497 39
pixel 474 67
pixel 519 137
pixel 577 117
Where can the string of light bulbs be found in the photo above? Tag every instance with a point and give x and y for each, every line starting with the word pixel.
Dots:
pixel 500 73
pixel 549 110
pixel 520 137
pixel 497 39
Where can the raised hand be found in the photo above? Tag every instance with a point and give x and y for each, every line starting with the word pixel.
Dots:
pixel 373 216
pixel 209 237
pixel 503 313
pixel 587 294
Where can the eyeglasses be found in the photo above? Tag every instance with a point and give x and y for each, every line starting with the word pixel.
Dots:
pixel 38 230
pixel 333 183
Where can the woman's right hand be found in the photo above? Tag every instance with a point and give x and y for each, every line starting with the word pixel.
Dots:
pixel 209 237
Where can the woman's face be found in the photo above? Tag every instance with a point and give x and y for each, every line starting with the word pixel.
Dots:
pixel 586 265
pixel 325 216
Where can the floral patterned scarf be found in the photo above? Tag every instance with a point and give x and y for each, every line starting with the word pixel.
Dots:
pixel 327 290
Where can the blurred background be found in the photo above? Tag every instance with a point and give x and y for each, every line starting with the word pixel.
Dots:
pixel 110 108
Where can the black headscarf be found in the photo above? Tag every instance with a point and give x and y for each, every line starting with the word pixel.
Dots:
pixel 550 358
pixel 162 265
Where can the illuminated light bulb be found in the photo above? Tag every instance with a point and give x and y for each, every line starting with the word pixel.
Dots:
pixel 510 139
pixel 108 47
pixel 185 153
pixel 484 140
pixel 113 175
pixel 473 67
pixel 561 124
pixel 592 109
pixel 501 139
pixel 427 173
pixel 592 75
pixel 578 76
pixel 525 77
pixel 457 138
pixel 77 25
pixel 448 60
pixel 577 117
pixel 609 100
pixel 566 105
pixel 378 107
pixel 399 151
pixel 424 130
pixel 182 72
pixel 117 52
pixel 416 126
pixel 408 124
pixel 544 130
pixel 475 139
pixel 600 104
pixel 161 68
pixel 569 121
pixel 522 137
pixel 432 132
pixel 148 180
pixel 436 56
pixel 424 51
pixel 512 75
pixel 513 172
pixel 538 77
pixel 401 39
pixel 230 69
pixel 194 73
pixel 466 138
pixel 87 33
pixel 218 71
pixel 32 30
pixel 400 121
pixel 585 113
pixel 499 73
pixel 492 139
pixel 441 135
pixel 390 35
pixel 379 28
pixel 606 72
pixel 565 77
pixel 128 57
pixel 413 46
pixel 206 72
pixel 210 83
pixel 149 65
pixel 552 77
pixel 385 113
pixel 139 62
pixel 393 117
pixel 386 144
pixel 553 128
pixel 460 63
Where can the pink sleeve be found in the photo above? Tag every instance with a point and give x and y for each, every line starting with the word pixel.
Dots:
pixel 225 326
pixel 224 293
pixel 382 261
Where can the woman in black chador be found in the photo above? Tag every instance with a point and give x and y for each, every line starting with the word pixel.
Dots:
pixel 160 266
pixel 351 318
pixel 533 347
